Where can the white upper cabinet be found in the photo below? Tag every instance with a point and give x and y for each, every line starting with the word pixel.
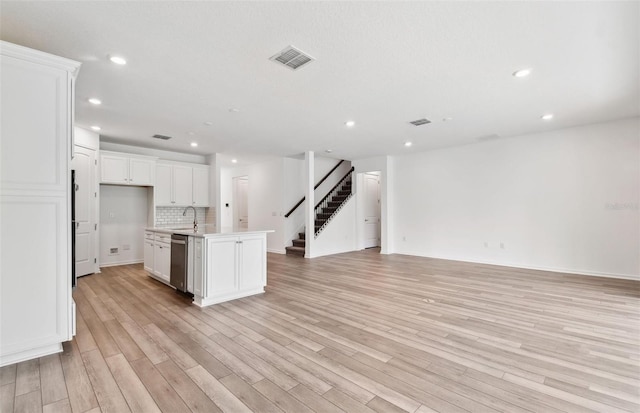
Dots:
pixel 181 184
pixel 124 169
pixel 163 184
pixel 200 186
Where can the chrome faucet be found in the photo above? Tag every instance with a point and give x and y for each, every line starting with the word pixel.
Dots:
pixel 195 219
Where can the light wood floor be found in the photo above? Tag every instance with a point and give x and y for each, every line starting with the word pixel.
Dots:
pixel 358 332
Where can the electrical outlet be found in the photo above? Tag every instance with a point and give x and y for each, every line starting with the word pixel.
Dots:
pixel 113 251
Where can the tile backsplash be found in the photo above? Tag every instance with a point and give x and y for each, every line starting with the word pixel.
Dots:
pixel 168 216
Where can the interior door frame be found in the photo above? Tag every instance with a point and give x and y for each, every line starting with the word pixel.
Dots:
pixel 234 200
pixel 360 210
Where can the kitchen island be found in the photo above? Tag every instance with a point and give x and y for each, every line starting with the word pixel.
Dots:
pixel 223 264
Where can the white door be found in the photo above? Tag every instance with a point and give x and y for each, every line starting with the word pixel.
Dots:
pixel 240 202
pixel 371 210
pixel 84 163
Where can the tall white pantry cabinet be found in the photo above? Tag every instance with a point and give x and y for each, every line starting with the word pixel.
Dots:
pixel 36 126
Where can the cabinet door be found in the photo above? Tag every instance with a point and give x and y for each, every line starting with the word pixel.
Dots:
pixel 148 255
pixel 162 261
pixel 201 187
pixel 163 184
pixel 198 273
pixel 114 170
pixel 252 266
pixel 165 262
pixel 182 185
pixel 141 172
pixel 222 276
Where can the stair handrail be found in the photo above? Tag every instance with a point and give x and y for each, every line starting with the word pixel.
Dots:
pixel 340 182
pixel 324 178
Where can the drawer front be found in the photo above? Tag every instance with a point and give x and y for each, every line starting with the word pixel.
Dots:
pixel 164 238
pixel 148 235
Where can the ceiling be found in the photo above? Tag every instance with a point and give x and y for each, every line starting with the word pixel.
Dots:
pixel 380 64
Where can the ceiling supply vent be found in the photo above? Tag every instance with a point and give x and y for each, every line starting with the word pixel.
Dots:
pixel 292 58
pixel 419 122
pixel 163 137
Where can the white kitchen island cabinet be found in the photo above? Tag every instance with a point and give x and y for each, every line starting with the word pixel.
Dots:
pixel 233 266
pixel 223 265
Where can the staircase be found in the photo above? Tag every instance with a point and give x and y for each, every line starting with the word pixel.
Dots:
pixel 324 211
pixel 298 245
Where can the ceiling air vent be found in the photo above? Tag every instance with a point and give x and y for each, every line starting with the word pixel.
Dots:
pixel 163 137
pixel 419 122
pixel 292 58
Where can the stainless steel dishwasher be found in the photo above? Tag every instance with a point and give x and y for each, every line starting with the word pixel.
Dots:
pixel 179 262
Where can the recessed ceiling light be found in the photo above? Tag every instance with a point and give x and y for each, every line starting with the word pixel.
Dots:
pixel 208 123
pixel 350 124
pixel 407 144
pixel 522 73
pixel 547 116
pixel 329 150
pixel 119 60
pixel 194 144
pixel 234 161
pixel 96 128
pixel 95 101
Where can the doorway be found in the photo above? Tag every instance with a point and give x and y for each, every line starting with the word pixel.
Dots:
pixel 371 209
pixel 84 163
pixel 240 202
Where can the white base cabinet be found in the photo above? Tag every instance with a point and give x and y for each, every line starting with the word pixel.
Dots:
pixel 232 267
pixel 157 255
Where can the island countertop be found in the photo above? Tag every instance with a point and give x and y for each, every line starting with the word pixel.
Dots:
pixel 206 231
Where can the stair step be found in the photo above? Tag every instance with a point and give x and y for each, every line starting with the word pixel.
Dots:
pixel 344 192
pixel 299 243
pixel 338 198
pixel 302 235
pixel 295 251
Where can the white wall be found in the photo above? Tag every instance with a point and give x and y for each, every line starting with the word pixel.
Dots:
pixel 123 218
pixel 565 200
pixel 86 138
pixel 265 199
pixel 339 235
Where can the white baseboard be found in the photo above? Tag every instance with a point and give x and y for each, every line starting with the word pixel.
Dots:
pixel 5 360
pixel 276 251
pixel 533 267
pixel 114 264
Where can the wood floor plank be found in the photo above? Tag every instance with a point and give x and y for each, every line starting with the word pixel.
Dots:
pixel 248 395
pixel 195 398
pixel 61 406
pixel 52 379
pixel 163 394
pixel 134 392
pixel 8 374
pixel 107 392
pixel 7 396
pixel 28 377
pixel 216 391
pixel 314 401
pixel 81 395
pixel 28 402
pixel 280 398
